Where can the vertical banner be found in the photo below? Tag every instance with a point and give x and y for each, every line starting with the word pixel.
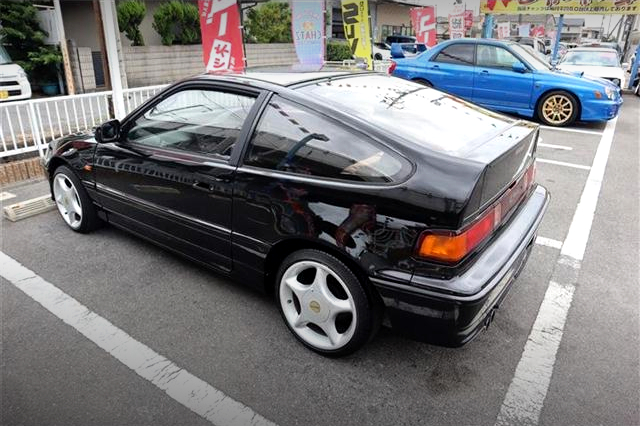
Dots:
pixel 504 29
pixel 222 48
pixel 524 30
pixel 307 27
pixel 355 18
pixel 456 22
pixel 423 20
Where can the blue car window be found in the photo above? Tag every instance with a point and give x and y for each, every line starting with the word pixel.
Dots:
pixel 461 54
pixel 495 57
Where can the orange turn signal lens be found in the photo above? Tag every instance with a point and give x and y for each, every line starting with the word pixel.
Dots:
pixel 451 248
pixel 597 94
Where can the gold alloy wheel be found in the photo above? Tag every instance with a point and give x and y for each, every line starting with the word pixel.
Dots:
pixel 557 109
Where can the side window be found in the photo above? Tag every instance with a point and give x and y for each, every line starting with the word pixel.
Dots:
pixel 194 120
pixel 293 139
pixel 460 54
pixel 495 57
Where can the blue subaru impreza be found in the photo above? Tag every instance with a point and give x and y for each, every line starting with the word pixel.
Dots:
pixel 505 76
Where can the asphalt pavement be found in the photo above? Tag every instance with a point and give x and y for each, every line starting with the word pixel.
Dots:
pixel 233 338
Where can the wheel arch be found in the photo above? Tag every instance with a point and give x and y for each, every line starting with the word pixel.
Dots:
pixel 279 251
pixel 422 80
pixel 556 89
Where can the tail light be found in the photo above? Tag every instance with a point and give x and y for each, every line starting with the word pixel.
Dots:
pixel 392 67
pixel 453 246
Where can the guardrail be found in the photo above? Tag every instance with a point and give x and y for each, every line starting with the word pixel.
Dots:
pixel 351 64
pixel 27 126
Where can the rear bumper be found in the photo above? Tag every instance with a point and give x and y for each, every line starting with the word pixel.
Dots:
pixel 452 312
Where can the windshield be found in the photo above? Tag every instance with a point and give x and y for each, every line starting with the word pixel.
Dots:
pixel 4 56
pixel 599 58
pixel 534 60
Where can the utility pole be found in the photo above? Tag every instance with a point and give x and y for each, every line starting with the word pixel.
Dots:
pixel 103 46
pixel 110 29
pixel 68 75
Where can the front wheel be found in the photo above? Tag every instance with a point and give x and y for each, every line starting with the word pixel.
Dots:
pixel 323 303
pixel 72 201
pixel 558 109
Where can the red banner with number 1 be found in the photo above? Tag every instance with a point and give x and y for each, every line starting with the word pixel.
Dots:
pixel 424 24
pixel 222 48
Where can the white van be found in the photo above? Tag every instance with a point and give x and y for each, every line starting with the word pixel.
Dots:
pixel 14 84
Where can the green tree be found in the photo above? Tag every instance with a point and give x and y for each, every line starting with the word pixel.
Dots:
pixel 130 16
pixel 269 23
pixel 177 22
pixel 23 38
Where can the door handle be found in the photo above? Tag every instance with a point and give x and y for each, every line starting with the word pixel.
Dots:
pixel 435 67
pixel 485 72
pixel 202 186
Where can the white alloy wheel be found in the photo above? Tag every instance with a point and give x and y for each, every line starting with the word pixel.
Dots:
pixel 67 200
pixel 317 305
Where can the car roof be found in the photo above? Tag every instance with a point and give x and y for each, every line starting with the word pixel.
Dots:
pixel 593 49
pixel 282 78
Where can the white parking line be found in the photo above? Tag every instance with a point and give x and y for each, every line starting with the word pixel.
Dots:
pixel 552 146
pixel 566 129
pixel 562 163
pixel 179 384
pixel 6 196
pixel 525 397
pixel 548 242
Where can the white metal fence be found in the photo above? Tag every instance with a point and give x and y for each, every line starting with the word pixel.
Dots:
pixel 27 126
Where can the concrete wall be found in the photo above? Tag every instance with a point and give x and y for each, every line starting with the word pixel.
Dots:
pixel 82 68
pixel 150 65
pixel 79 23
pixel 391 14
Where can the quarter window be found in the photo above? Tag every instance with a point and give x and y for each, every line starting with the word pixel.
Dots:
pixel 460 54
pixel 495 57
pixel 195 120
pixel 293 139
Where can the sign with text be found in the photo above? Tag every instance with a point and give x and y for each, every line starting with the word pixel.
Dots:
pixel 222 48
pixel 423 20
pixel 457 27
pixel 307 27
pixel 566 7
pixel 355 18
pixel 504 29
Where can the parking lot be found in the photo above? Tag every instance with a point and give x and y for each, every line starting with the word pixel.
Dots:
pixel 583 371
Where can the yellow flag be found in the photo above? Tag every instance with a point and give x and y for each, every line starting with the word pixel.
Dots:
pixel 355 17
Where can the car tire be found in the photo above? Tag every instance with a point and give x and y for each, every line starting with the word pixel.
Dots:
pixel 423 82
pixel 323 303
pixel 378 57
pixel 558 109
pixel 73 202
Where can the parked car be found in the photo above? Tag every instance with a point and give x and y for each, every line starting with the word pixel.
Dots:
pixel 537 44
pixel 603 44
pixel 345 195
pixel 381 51
pixel 504 76
pixel 600 62
pixel 14 84
pixel 399 39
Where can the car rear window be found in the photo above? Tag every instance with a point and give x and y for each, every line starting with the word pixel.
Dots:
pixel 414 112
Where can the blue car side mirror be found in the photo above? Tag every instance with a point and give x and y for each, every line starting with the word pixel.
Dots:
pixel 519 67
pixel 396 51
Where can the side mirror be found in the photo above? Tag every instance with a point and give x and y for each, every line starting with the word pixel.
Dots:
pixel 396 51
pixel 108 132
pixel 519 68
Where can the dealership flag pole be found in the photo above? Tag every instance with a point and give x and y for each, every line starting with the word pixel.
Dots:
pixel 556 46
